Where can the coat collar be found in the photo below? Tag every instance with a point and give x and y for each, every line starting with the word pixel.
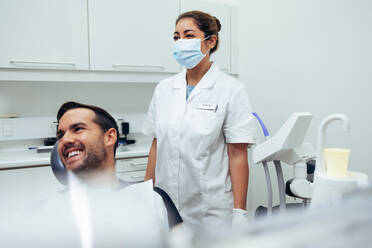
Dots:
pixel 207 81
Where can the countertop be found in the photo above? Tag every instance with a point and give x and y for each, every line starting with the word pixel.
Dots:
pixel 24 157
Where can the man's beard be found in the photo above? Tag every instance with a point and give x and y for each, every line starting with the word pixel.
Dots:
pixel 96 156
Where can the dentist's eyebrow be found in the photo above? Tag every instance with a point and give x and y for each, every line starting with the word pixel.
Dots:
pixel 188 30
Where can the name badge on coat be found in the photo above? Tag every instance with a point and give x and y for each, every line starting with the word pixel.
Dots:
pixel 208 106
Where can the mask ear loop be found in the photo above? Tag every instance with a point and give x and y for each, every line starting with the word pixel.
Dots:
pixel 206 38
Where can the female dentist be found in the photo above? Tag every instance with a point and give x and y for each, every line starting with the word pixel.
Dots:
pixel 200 123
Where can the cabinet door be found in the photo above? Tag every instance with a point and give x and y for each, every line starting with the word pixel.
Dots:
pixel 20 188
pixel 44 34
pixel 222 56
pixel 131 164
pixel 132 35
pixel 132 176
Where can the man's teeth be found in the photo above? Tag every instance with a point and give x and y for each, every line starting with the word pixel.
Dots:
pixel 73 153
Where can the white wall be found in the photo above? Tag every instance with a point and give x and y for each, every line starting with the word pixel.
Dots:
pixel 39 99
pixel 310 56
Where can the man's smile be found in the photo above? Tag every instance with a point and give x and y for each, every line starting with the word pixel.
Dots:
pixel 73 154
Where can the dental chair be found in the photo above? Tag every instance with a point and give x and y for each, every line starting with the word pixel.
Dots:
pixel 60 173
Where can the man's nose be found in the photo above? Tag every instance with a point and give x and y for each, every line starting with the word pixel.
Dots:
pixel 67 138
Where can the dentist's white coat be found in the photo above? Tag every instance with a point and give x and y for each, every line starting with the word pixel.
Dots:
pixel 191 161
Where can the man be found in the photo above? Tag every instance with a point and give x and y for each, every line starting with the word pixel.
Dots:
pixel 97 207
pixel 88 138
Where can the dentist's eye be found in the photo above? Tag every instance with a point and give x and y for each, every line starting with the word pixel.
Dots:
pixel 175 38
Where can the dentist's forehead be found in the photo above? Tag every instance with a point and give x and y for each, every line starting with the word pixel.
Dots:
pixel 186 24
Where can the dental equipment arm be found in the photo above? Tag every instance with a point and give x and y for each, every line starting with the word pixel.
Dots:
pixel 287 146
pixel 269 189
pixel 280 179
pixel 266 169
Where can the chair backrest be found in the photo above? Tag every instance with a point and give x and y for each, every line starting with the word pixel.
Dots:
pixel 174 216
pixel 58 168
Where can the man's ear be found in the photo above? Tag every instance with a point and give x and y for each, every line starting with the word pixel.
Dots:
pixel 110 137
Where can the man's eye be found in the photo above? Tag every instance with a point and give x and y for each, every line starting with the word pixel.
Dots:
pixel 59 136
pixel 78 129
pixel 175 38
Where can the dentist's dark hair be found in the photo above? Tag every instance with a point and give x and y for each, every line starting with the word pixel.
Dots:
pixel 103 119
pixel 208 24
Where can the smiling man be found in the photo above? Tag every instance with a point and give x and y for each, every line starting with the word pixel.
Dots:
pixel 99 208
pixel 88 138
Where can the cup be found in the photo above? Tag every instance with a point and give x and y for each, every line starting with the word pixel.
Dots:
pixel 336 161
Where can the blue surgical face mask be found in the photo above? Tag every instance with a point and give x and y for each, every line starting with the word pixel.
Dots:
pixel 187 52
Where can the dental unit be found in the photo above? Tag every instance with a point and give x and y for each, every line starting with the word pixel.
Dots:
pixel 287 146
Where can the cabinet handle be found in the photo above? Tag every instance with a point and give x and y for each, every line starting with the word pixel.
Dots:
pixel 143 68
pixel 138 164
pixel 42 63
pixel 137 177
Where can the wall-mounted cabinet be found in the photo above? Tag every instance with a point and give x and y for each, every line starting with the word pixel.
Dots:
pixel 100 41
pixel 132 35
pixel 44 34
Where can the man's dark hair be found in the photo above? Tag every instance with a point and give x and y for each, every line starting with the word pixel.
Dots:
pixel 102 118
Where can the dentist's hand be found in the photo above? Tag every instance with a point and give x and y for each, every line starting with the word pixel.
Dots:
pixel 240 217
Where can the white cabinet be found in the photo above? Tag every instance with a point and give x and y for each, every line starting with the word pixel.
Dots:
pixel 132 35
pixel 44 34
pixel 225 56
pixel 131 169
pixel 86 39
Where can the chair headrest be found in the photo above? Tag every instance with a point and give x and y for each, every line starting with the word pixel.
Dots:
pixel 58 167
